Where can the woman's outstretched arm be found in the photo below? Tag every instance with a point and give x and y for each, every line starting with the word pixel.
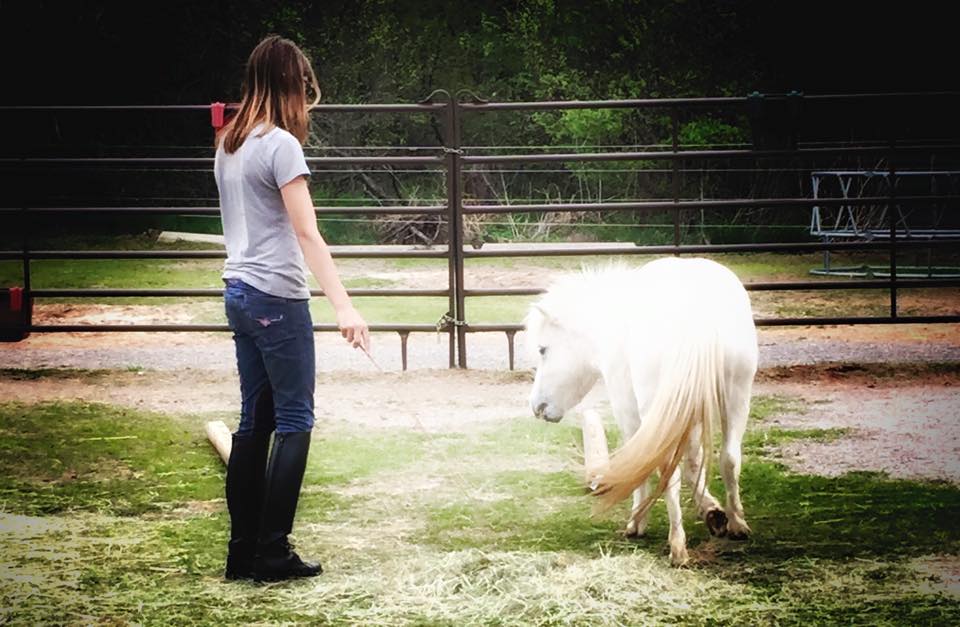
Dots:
pixel 299 205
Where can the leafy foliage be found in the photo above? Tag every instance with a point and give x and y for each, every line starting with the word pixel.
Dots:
pixel 380 51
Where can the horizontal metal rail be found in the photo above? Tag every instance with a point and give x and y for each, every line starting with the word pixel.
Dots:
pixel 209 328
pixel 876 233
pixel 469 252
pixel 668 103
pixel 770 322
pixel 481 292
pixel 215 211
pixel 470 328
pixel 209 292
pixel 860 151
pixel 105 108
pixel 423 107
pixel 733 203
pixel 628 249
pixel 655 205
pixel 792 322
pixel 479 106
pixel 404 330
pixel 206 162
pixel 72 162
pixel 638 103
pixel 758 286
pixel 437 253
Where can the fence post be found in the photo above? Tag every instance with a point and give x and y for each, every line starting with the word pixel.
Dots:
pixel 455 155
pixel 452 153
pixel 893 212
pixel 27 284
pixel 25 226
pixel 675 176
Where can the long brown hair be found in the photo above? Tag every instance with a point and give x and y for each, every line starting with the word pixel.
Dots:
pixel 274 93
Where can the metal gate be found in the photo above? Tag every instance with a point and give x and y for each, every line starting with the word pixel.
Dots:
pixel 772 144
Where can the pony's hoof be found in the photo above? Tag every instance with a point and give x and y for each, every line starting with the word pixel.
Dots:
pixel 738 530
pixel 634 530
pixel 679 559
pixel 716 521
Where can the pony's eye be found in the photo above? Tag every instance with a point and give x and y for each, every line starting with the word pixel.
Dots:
pixel 543 350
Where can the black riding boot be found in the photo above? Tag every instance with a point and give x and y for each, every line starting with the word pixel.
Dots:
pixel 275 559
pixel 246 471
pixel 245 479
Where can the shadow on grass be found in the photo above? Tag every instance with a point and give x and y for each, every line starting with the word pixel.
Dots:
pixel 857 515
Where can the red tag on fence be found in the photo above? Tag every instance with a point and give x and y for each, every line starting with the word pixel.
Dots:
pixel 216 114
pixel 16 298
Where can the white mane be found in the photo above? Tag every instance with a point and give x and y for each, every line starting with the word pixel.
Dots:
pixel 574 300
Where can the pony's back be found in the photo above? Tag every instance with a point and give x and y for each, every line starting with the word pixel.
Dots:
pixel 692 288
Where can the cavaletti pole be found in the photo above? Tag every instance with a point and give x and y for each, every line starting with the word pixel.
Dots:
pixel 219 435
pixel 596 455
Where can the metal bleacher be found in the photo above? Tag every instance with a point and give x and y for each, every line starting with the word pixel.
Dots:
pixel 868 222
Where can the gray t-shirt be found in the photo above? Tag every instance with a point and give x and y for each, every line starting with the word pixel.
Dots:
pixel 262 248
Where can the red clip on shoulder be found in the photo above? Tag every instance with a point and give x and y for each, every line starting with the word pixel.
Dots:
pixel 16 298
pixel 216 114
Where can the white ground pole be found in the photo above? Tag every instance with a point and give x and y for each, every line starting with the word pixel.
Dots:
pixel 219 435
pixel 596 455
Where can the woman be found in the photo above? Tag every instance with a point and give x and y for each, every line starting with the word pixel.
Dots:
pixel 270 230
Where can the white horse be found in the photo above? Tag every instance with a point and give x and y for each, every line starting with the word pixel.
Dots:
pixel 675 343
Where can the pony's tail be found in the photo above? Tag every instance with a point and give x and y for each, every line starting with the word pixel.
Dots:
pixel 689 394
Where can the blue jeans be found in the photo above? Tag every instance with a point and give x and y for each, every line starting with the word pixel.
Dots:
pixel 275 355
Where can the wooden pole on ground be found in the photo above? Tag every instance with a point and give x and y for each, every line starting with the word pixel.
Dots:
pixel 596 455
pixel 219 435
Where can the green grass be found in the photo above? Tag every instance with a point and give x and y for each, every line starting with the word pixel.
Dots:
pixel 36 374
pixel 113 515
pixel 347 457
pixel 763 406
pixel 62 457
pixel 764 441
pixel 118 273
pixel 408 310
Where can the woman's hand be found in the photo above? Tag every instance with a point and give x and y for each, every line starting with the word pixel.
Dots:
pixel 353 327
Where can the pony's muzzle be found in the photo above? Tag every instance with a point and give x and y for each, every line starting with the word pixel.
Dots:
pixel 541 412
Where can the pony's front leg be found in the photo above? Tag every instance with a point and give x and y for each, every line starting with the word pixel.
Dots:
pixel 637 524
pixel 623 402
pixel 677 537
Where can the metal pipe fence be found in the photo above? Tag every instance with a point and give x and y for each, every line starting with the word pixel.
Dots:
pixel 450 159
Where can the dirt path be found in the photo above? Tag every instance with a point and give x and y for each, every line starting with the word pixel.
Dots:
pixel 440 400
pixel 901 421
pixel 486 351
pixel 904 426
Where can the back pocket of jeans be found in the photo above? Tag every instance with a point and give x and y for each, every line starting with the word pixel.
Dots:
pixel 265 310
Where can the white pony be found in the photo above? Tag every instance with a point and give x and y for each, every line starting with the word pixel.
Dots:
pixel 675 343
